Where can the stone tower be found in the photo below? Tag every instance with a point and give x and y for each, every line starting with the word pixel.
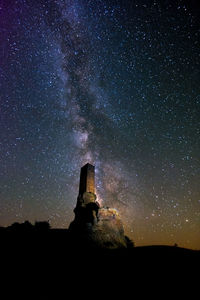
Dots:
pixel 87 181
pixel 86 187
pixel 93 225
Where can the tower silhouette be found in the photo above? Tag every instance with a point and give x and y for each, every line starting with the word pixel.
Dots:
pixel 94 225
pixel 87 180
pixel 86 194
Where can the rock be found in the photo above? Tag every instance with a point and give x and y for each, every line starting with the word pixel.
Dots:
pixel 101 228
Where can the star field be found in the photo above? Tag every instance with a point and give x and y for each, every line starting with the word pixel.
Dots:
pixel 112 83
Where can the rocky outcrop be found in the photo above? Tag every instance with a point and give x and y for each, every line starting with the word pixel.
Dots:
pixel 99 227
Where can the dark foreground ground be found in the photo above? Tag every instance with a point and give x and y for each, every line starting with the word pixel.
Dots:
pixel 56 246
pixel 49 259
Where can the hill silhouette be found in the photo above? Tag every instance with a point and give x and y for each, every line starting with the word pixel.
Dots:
pixel 43 258
pixel 27 239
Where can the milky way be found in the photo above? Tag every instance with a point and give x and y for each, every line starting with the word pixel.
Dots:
pixel 113 83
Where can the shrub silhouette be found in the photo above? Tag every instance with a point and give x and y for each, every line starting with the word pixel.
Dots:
pixel 42 226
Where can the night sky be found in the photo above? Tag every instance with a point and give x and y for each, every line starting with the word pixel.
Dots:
pixel 112 83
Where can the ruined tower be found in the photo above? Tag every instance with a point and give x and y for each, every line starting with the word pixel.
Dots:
pixel 93 225
pixel 86 187
pixel 87 180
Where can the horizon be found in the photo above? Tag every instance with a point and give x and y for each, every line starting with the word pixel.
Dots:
pixel 135 245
